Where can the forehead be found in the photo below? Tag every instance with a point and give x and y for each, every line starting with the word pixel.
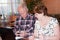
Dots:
pixel 22 6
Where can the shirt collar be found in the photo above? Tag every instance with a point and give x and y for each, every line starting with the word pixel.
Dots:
pixel 27 16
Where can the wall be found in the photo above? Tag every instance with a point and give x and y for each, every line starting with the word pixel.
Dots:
pixel 53 6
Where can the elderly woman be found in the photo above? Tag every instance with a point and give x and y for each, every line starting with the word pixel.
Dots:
pixel 46 27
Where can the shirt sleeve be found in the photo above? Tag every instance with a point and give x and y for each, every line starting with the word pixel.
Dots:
pixel 55 22
pixel 16 26
pixel 31 30
pixel 49 30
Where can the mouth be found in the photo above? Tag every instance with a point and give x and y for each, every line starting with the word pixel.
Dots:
pixel 36 18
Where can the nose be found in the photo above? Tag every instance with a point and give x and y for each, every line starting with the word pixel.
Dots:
pixel 36 13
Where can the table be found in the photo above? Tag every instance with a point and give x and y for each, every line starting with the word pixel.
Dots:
pixel 7 34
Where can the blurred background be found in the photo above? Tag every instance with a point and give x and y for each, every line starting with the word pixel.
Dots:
pixel 8 9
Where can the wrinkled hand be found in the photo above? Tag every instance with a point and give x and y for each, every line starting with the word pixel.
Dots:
pixel 21 34
pixel 17 33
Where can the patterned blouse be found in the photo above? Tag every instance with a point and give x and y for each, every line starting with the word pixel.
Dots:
pixel 48 29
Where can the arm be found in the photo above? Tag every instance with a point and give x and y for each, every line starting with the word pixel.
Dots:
pixel 31 33
pixel 32 29
pixel 56 36
pixel 56 32
pixel 16 29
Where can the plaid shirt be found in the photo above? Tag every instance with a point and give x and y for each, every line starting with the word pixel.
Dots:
pixel 26 24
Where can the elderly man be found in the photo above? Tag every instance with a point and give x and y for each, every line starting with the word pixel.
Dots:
pixel 24 24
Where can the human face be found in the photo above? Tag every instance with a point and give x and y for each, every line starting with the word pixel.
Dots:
pixel 37 15
pixel 22 9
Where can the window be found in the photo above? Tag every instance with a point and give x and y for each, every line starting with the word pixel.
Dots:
pixel 8 6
